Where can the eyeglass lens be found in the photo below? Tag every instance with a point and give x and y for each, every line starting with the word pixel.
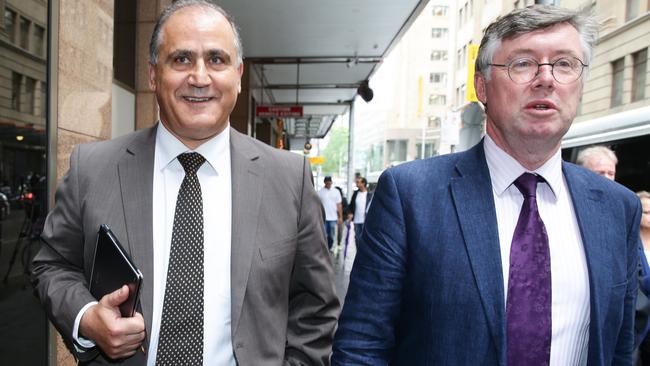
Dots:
pixel 564 70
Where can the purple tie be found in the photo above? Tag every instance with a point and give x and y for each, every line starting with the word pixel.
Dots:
pixel 528 308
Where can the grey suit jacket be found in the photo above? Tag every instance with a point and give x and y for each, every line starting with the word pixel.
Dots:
pixel 284 308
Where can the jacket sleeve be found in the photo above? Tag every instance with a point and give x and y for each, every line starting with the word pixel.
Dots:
pixel 58 271
pixel 366 332
pixel 625 342
pixel 313 304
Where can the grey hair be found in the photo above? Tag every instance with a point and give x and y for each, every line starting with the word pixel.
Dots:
pixel 596 151
pixel 643 194
pixel 156 36
pixel 532 18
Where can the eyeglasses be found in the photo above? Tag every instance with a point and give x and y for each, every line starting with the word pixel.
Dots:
pixel 564 70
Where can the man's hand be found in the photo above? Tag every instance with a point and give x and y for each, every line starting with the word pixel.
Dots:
pixel 117 337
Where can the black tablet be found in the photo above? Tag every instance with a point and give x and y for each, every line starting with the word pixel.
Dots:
pixel 113 268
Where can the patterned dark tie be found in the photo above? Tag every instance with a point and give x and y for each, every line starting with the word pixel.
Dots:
pixel 528 308
pixel 181 328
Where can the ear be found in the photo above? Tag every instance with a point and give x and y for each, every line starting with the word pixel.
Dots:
pixel 240 69
pixel 479 86
pixel 151 71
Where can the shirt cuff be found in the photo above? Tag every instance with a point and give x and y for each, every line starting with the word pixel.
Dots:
pixel 82 344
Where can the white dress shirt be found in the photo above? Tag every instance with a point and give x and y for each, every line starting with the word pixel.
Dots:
pixel 570 310
pixel 215 179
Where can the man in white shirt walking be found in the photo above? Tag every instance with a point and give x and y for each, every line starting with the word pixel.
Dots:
pixel 333 207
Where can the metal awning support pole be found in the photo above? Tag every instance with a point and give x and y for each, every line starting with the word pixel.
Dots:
pixel 351 149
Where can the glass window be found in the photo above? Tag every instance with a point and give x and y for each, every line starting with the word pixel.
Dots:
pixel 631 9
pixel 376 157
pixel 39 36
pixel 438 78
pixel 439 33
pixel 16 81
pixel 439 10
pixel 124 42
pixel 434 122
pixel 437 99
pixel 10 23
pixel 429 150
pixel 639 71
pixel 29 103
pixel 438 55
pixel 460 17
pixel 24 33
pixel 43 102
pixel 396 151
pixel 464 56
pixel 466 13
pixel 618 67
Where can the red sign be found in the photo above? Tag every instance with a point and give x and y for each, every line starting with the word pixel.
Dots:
pixel 278 111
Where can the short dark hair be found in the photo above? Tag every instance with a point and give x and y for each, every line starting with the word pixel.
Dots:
pixel 363 180
pixel 532 18
pixel 156 36
pixel 327 179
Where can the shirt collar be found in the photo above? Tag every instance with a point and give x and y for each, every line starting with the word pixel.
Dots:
pixel 214 150
pixel 504 169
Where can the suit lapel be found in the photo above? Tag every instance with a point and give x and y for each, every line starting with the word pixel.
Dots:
pixel 588 206
pixel 247 187
pixel 472 196
pixel 135 171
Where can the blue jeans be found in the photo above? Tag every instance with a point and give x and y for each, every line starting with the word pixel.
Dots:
pixel 330 230
pixel 358 229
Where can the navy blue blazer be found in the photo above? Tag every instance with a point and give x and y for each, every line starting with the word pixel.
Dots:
pixel 426 287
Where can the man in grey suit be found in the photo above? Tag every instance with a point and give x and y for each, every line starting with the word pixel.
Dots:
pixel 268 295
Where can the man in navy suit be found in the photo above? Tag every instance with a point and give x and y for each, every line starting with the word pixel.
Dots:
pixel 434 282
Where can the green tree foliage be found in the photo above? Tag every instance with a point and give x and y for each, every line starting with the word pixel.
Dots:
pixel 336 152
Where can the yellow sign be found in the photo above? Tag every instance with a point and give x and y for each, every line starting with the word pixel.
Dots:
pixel 314 160
pixel 470 91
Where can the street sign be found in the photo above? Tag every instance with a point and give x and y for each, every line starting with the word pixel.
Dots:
pixel 317 160
pixel 470 91
pixel 278 111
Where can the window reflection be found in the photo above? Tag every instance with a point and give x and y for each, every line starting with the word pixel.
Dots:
pixel 23 161
pixel 24 32
pixel 10 21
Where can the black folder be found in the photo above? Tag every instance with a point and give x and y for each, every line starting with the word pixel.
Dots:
pixel 112 269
